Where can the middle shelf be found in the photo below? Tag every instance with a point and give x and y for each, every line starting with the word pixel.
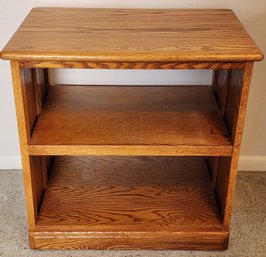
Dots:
pixel 130 120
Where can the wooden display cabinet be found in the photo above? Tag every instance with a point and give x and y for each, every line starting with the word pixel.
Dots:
pixel 139 167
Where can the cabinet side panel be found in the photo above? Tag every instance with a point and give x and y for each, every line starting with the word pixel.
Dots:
pixel 220 87
pixel 46 163
pixel 234 117
pixel 40 166
pixel 37 177
pixel 24 121
pixel 237 132
pixel 232 105
pixel 223 172
pixel 41 87
pixel 213 163
pixel 220 84
pixel 35 88
pixel 29 102
pixel 25 83
pixel 230 88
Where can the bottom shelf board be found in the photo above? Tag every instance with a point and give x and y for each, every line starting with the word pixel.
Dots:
pixel 129 202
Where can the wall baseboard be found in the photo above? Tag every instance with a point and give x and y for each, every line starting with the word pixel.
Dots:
pixel 10 162
pixel 246 163
pixel 252 163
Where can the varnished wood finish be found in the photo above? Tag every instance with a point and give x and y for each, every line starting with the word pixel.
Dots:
pixel 130 199
pixel 46 162
pixel 237 133
pixel 110 35
pixel 24 134
pixel 220 87
pixel 233 107
pixel 165 191
pixel 27 99
pixel 106 119
pixel 213 163
pixel 135 200
pixel 221 183
pixel 133 150
pixel 135 240
pixel 35 88
pixel 41 87
pixel 38 180
pixel 132 65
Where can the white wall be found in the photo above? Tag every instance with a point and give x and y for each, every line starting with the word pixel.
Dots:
pixel 251 13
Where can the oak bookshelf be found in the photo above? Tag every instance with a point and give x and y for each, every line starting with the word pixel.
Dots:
pixel 130 167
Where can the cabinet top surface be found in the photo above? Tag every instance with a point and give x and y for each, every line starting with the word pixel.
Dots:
pixel 123 35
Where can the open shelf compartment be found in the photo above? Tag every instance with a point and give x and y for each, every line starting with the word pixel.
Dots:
pixel 135 120
pixel 142 202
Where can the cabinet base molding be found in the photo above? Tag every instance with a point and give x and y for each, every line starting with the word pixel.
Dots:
pixel 129 240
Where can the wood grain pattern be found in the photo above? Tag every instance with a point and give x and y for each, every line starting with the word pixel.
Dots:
pixel 131 65
pixel 220 87
pixel 213 164
pixel 46 163
pixel 135 240
pixel 221 187
pixel 218 166
pixel 28 105
pixel 29 101
pixel 235 105
pixel 232 93
pixel 24 134
pixel 237 138
pixel 125 150
pixel 132 193
pixel 106 119
pixel 140 35
pixel 37 178
pixel 128 199
pixel 41 87
pixel 231 109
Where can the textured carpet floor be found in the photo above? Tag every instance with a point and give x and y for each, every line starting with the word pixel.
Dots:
pixel 248 229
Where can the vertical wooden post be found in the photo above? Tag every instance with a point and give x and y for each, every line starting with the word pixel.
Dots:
pixel 30 89
pixel 236 135
pixel 23 120
pixel 232 99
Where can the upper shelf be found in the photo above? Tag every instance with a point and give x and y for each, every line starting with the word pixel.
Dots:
pixel 123 35
pixel 138 120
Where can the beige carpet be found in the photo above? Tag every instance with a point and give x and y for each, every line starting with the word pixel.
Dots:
pixel 248 229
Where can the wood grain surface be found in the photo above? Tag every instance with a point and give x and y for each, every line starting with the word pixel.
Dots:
pixel 108 118
pixel 231 89
pixel 239 86
pixel 19 83
pixel 129 193
pixel 130 199
pixel 162 240
pixel 131 65
pixel 131 35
